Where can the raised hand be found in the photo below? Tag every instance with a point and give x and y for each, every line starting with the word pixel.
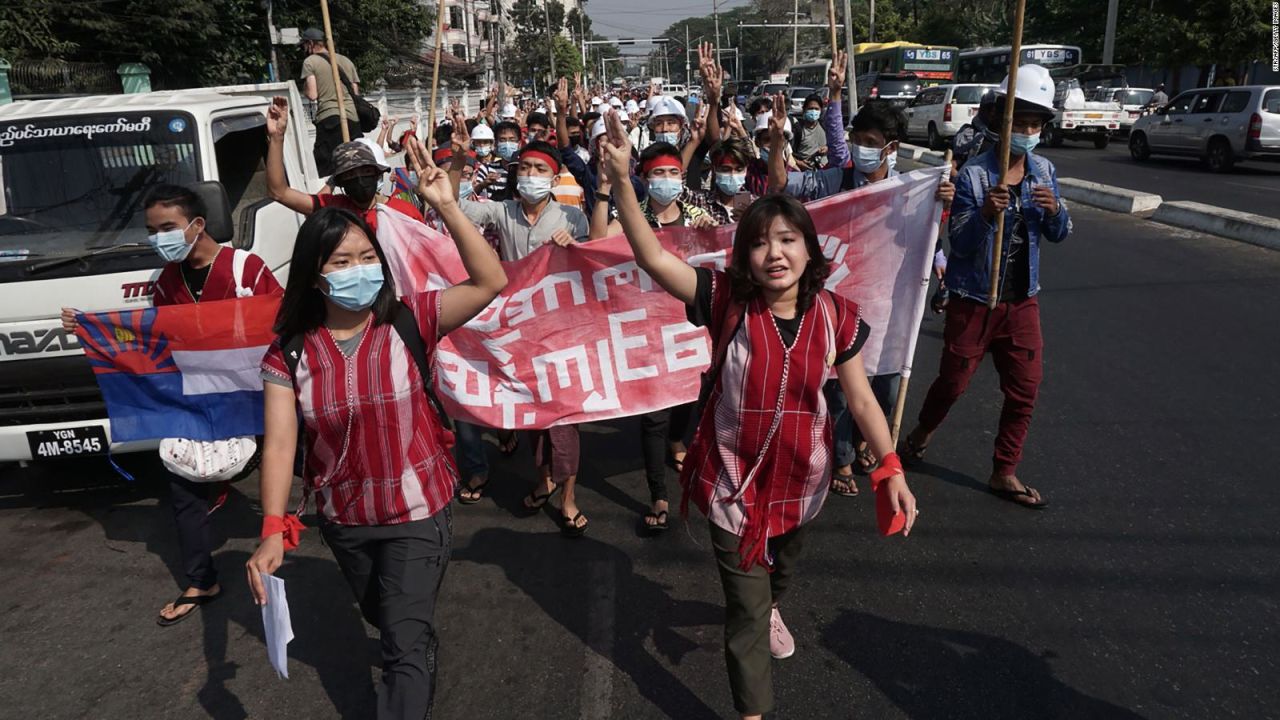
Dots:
pixel 712 73
pixel 434 185
pixel 561 95
pixel 277 117
pixel 836 73
pixel 778 120
pixel 461 136
pixel 615 150
pixel 698 127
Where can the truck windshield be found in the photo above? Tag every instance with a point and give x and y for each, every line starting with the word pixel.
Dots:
pixel 75 184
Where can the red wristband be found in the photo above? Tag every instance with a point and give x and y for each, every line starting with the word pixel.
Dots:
pixel 289 525
pixel 890 465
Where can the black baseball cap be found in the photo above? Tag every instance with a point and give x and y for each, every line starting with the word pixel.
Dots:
pixel 314 34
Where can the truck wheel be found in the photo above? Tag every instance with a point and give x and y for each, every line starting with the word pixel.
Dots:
pixel 1219 157
pixel 1051 136
pixel 1138 148
pixel 935 140
pixel 1101 141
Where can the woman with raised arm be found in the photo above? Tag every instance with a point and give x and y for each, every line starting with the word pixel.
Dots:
pixel 759 464
pixel 353 358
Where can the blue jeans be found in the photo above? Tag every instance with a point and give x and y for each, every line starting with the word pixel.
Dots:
pixel 473 457
pixel 844 429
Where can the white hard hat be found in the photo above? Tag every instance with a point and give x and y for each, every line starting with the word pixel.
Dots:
pixel 509 110
pixel 615 102
pixel 541 109
pixel 378 154
pixel 633 107
pixel 666 105
pixel 623 116
pixel 596 100
pixel 482 132
pixel 597 129
pixel 1035 87
pixel 762 124
pixel 644 104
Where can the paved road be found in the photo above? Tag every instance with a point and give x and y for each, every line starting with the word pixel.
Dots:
pixel 1148 590
pixel 1250 187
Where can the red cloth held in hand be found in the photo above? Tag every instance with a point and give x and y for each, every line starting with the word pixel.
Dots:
pixel 289 525
pixel 889 521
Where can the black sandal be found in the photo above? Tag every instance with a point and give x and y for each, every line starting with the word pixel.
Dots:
pixel 659 523
pixel 569 526
pixel 1012 496
pixel 473 493
pixel 676 464
pixel 910 453
pixel 850 488
pixel 865 461
pixel 538 501
pixel 196 600
pixel 507 445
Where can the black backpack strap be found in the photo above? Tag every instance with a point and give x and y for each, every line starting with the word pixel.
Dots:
pixel 292 348
pixel 406 326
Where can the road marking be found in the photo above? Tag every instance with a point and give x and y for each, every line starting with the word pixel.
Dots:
pixel 597 675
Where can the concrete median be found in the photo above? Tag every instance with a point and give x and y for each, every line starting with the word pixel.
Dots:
pixel 1108 197
pixel 1242 226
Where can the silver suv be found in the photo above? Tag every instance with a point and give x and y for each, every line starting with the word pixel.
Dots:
pixel 1221 126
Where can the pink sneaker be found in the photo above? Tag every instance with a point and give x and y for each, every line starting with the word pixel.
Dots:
pixel 781 644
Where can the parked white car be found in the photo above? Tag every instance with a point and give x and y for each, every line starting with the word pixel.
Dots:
pixel 939 112
pixel 1133 102
pixel 1221 126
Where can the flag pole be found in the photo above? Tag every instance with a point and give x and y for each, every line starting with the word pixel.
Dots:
pixel 435 78
pixel 1006 129
pixel 831 20
pixel 333 67
pixel 899 405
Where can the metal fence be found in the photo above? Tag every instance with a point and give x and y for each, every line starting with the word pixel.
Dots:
pixel 38 78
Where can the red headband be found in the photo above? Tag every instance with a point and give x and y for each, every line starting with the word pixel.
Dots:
pixel 553 162
pixel 661 161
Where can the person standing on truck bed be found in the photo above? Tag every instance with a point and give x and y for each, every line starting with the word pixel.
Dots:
pixel 198 269
pixel 355 169
pixel 319 88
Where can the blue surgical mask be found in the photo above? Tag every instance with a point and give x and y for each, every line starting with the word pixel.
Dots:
pixel 172 245
pixel 867 159
pixel 533 188
pixel 507 150
pixel 1022 144
pixel 812 115
pixel 730 183
pixel 465 189
pixel 354 288
pixel 664 190
pixel 667 137
pixel 483 150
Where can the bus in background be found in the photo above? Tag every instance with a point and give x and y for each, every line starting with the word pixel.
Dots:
pixel 990 65
pixel 932 64
pixel 810 74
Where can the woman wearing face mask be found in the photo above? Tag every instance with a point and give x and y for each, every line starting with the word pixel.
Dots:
pixel 755 466
pixel 197 269
pixel 357 173
pixel 1033 213
pixel 375 458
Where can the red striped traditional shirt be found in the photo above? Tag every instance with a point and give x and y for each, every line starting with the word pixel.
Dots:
pixel 760 463
pixel 374 455
pixel 229 266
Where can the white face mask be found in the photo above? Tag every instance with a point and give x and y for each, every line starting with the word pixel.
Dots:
pixel 533 188
pixel 867 160
pixel 172 245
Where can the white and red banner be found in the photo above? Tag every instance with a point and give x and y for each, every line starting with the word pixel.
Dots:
pixel 582 334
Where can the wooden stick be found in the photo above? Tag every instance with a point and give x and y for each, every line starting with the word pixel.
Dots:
pixel 899 405
pixel 831 20
pixel 435 78
pixel 333 66
pixel 1006 130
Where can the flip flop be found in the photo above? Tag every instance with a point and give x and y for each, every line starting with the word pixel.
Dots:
pixel 910 453
pixel 476 493
pixel 676 464
pixel 849 480
pixel 197 600
pixel 659 525
pixel 538 500
pixel 866 462
pixel 1013 495
pixel 509 444
pixel 569 526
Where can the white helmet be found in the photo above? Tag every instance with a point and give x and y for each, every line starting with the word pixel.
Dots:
pixel 615 102
pixel 597 129
pixel 596 101
pixel 666 105
pixel 762 124
pixel 509 111
pixel 623 116
pixel 481 133
pixel 1035 87
pixel 633 107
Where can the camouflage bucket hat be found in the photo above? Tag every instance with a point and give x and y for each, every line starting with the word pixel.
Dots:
pixel 352 155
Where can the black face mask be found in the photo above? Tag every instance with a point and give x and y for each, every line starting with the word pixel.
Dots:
pixel 361 189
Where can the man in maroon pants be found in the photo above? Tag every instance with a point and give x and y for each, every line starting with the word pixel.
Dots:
pixel 1010 332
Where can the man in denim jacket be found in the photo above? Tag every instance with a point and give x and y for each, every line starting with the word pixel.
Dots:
pixel 1034 212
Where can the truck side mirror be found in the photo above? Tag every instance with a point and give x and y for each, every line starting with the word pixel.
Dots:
pixel 217 220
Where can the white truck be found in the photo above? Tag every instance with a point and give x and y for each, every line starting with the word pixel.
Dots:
pixel 73 173
pixel 1077 118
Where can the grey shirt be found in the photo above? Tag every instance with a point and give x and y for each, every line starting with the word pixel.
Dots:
pixel 347 347
pixel 516 237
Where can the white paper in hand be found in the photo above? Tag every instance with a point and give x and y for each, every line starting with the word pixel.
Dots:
pixel 276 625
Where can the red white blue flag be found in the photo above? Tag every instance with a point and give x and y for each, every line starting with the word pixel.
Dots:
pixel 181 371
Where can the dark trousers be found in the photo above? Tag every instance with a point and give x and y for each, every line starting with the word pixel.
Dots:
pixel 1011 333
pixel 472 454
pixel 749 598
pixel 191 513
pixel 847 434
pixel 395 573
pixel 328 138
pixel 656 430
